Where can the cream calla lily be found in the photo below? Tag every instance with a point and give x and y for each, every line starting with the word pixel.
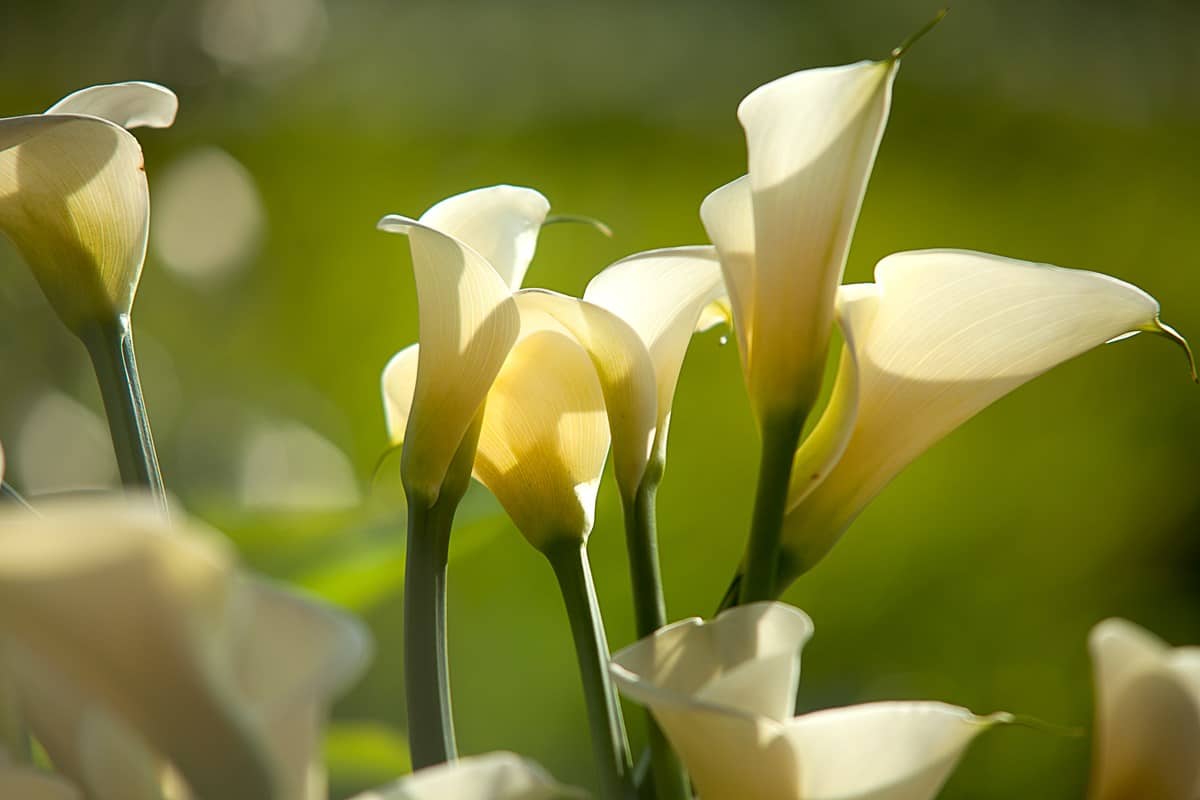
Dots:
pixel 74 199
pixel 1147 731
pixel 724 692
pixel 938 337
pixel 468 251
pixel 248 666
pixel 494 776
pixel 783 231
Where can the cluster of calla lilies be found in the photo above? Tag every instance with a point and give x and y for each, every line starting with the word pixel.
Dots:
pixel 146 664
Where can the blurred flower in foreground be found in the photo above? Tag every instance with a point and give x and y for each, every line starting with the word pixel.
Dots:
pixel 937 338
pixel 724 692
pixel 1146 743
pixel 223 677
pixel 494 776
pixel 73 196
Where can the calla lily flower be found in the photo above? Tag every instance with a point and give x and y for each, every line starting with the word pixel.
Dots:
pixel 724 692
pixel 469 252
pixel 783 230
pixel 1147 731
pixel 74 200
pixel 494 776
pixel 224 677
pixel 938 337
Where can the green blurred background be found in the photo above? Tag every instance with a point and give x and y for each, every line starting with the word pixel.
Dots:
pixel 1055 131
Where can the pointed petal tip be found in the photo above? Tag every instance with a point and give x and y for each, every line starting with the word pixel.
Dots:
pixel 1041 725
pixel 395 223
pixel 1162 329
pixel 591 222
pixel 900 50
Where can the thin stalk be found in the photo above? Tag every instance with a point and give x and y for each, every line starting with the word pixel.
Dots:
pixel 609 744
pixel 110 346
pixel 10 495
pixel 780 438
pixel 426 665
pixel 641 540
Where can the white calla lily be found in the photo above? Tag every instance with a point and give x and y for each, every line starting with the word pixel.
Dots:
pixel 724 692
pixel 783 231
pixel 1147 730
pixel 248 667
pixel 493 776
pixel 74 199
pixel 938 337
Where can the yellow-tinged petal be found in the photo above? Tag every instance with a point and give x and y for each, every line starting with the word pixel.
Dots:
pixel 399 382
pixel 812 138
pixel 493 776
pixel 468 321
pixel 728 217
pixel 724 693
pixel 940 336
pixel 1147 730
pixel 662 295
pixel 74 201
pixel 133 104
pixel 545 435
pixel 27 783
pixel 624 367
pixel 501 223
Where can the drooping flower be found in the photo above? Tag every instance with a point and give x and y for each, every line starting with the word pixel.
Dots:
pixel 1146 740
pixel 493 776
pixel 74 200
pixel 724 692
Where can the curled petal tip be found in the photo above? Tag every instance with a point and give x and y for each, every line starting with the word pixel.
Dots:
pixel 1162 329
pixel 394 223
pixel 589 221
pixel 1042 726
pixel 901 49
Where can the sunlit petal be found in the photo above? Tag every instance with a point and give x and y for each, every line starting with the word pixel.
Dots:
pixel 950 332
pixel 399 382
pixel 545 435
pixel 501 223
pixel 133 104
pixel 1147 737
pixel 812 138
pixel 661 294
pixel 728 216
pixel 626 373
pixel 494 776
pixel 74 201
pixel 468 322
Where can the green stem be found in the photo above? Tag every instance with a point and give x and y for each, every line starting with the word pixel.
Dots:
pixel 426 667
pixel 111 348
pixel 780 439
pixel 570 564
pixel 641 540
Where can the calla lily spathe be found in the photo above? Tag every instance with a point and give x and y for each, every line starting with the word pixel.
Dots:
pixel 724 692
pixel 74 199
pixel 1146 741
pixel 469 253
pixel 223 676
pixel 493 776
pixel 938 337
pixel 783 230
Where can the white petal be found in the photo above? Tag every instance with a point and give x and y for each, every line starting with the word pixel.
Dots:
pixel 812 138
pixel 951 332
pixel 494 776
pixel 30 784
pixel 399 383
pixel 661 294
pixel 74 201
pixel 728 216
pixel 501 223
pixel 468 321
pixel 545 436
pixel 1147 718
pixel 134 104
pixel 881 751
pixel 624 368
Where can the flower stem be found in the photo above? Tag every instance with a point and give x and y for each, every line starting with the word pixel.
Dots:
pixel 110 346
pixel 570 564
pixel 780 438
pixel 641 540
pixel 426 667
